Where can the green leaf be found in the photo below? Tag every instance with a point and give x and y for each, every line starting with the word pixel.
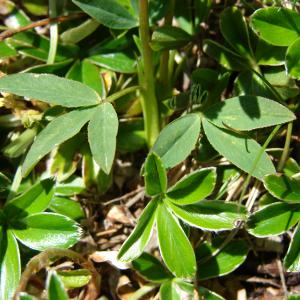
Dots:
pixel 25 296
pixel 293 60
pixel 276 25
pixel 206 294
pixel 238 149
pixel 169 37
pixel 76 34
pixel 224 262
pixel 225 57
pixel 193 187
pixel 56 132
pixel 214 215
pixel 139 237
pixel 49 88
pixel 75 278
pixel 269 55
pixel 10 265
pixel 73 185
pixel 102 135
pixel 47 230
pixel 55 287
pixel 150 268
pixel 115 61
pixel 235 31
pixel 274 219
pixel 283 187
pixel 110 13
pixel 176 289
pixel 248 113
pixel 155 175
pixel 4 182
pixel 177 140
pixel 292 258
pixel 67 207
pixel 34 200
pixel 6 51
pixel 181 262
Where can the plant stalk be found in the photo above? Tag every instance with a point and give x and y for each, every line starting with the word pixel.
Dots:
pixel 149 102
pixel 53 32
pixel 286 149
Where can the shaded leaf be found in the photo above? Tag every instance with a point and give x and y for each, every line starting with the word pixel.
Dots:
pixel 171 236
pixel 238 149
pixel 177 140
pixel 293 59
pixel 55 287
pixel 67 207
pixel 193 187
pixel 255 112
pixel 139 237
pixel 224 262
pixel 207 294
pixel 49 88
pixel 292 258
pixel 176 289
pixel 274 219
pixel 102 135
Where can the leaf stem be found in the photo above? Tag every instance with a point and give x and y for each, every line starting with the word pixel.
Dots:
pixel 286 148
pixel 149 101
pixel 122 93
pixel 53 32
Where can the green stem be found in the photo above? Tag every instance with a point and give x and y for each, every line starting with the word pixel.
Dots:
pixel 53 33
pixel 16 182
pixel 286 149
pixel 149 102
pixel 122 93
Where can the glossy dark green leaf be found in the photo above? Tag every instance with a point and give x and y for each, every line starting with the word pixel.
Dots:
pixel 75 278
pixel 226 261
pixel 274 219
pixel 212 215
pixel 102 135
pixel 55 287
pixel 292 257
pixel 269 55
pixel 234 29
pixel 283 187
pixel 239 149
pixel 291 167
pixel 169 37
pixel 177 140
pixel 56 132
pixel 34 200
pixel 225 57
pixel 176 289
pixel 110 13
pixel 150 268
pixel 171 236
pixel 276 25
pixel 10 265
pixel 115 61
pixel 47 230
pixel 139 237
pixel 67 207
pixel 49 88
pixel 193 187
pixel 293 59
pixel 255 112
pixel 155 175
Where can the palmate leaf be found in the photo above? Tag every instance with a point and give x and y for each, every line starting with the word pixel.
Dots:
pixel 49 88
pixel 238 149
pixel 56 132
